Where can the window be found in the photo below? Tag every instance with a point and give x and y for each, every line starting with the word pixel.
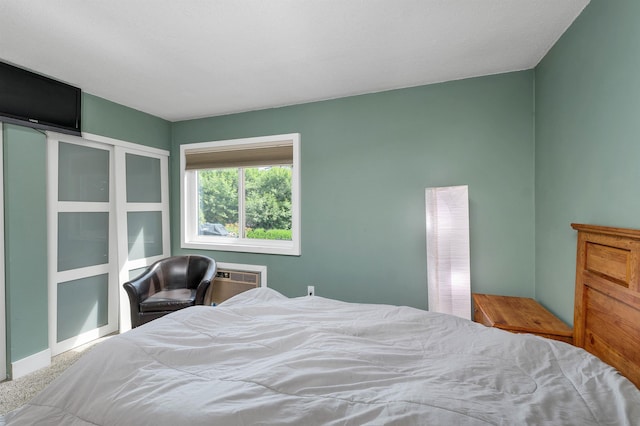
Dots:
pixel 242 195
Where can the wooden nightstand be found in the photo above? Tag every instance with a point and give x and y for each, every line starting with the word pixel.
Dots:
pixel 519 315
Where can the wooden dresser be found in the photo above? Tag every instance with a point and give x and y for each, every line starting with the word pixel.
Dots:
pixel 519 315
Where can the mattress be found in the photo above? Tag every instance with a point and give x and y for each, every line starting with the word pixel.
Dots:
pixel 262 358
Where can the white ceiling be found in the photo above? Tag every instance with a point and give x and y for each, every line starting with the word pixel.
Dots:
pixel 196 58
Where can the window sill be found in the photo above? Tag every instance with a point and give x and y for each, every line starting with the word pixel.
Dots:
pixel 287 248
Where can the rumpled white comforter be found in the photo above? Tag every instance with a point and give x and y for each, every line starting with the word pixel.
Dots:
pixel 261 358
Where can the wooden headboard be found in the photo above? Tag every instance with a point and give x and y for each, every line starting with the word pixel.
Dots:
pixel 607 299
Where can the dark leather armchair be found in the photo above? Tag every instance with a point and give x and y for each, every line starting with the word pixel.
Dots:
pixel 168 285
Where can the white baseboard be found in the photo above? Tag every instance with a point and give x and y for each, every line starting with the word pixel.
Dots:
pixel 32 363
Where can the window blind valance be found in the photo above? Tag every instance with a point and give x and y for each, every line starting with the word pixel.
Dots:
pixel 249 156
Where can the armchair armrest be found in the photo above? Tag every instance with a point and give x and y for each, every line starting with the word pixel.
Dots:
pixel 207 278
pixel 139 288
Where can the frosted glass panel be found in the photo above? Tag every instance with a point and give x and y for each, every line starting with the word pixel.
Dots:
pixel 83 173
pixel 143 179
pixel 83 239
pixel 135 273
pixel 144 231
pixel 448 263
pixel 82 305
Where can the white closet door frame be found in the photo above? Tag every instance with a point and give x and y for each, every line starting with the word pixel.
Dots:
pixel 53 208
pixel 120 148
pixel 3 297
pixel 123 208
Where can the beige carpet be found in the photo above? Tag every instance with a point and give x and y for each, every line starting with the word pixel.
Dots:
pixel 15 393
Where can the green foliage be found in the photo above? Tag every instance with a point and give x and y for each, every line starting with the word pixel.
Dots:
pixel 269 234
pixel 233 228
pixel 218 195
pixel 267 200
pixel 268 195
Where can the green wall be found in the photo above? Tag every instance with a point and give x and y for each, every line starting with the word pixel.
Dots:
pixel 25 231
pixel 26 216
pixel 106 118
pixel 366 161
pixel 587 140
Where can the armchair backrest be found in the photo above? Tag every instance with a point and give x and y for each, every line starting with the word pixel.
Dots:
pixel 199 268
pixel 172 273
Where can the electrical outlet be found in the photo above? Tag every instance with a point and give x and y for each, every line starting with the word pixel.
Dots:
pixel 311 290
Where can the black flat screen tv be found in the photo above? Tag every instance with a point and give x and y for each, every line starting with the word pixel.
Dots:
pixel 32 100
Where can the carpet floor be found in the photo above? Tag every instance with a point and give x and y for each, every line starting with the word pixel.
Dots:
pixel 16 393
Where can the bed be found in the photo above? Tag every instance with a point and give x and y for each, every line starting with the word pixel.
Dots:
pixel 263 358
pixel 607 296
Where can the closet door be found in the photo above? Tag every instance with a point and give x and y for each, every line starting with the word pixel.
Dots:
pixel 143 216
pixel 83 278
pixel 3 324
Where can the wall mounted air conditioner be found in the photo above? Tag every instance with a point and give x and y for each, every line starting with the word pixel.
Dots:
pixel 228 283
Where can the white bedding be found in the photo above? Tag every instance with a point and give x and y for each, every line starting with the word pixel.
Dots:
pixel 261 358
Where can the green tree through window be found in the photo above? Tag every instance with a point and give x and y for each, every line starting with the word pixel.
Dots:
pixel 267 200
pixel 218 194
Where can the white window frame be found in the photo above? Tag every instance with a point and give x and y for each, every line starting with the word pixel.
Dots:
pixel 189 202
